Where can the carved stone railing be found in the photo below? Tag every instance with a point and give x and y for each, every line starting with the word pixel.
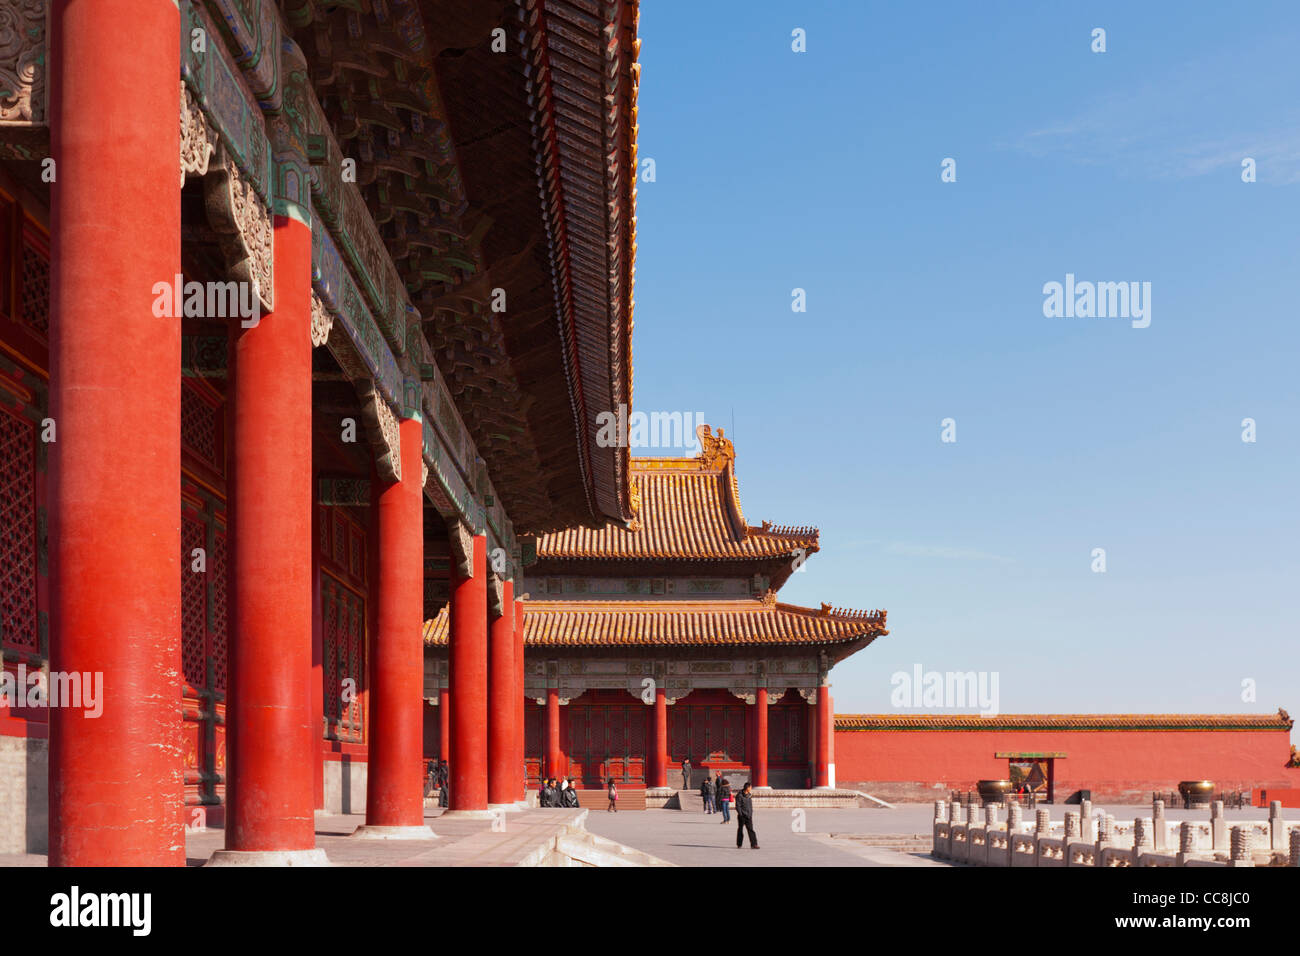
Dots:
pixel 963 835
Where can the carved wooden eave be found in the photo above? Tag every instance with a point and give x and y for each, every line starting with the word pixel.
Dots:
pixel 322 321
pixel 198 139
pixel 24 105
pixel 384 431
pixel 496 594
pixel 461 540
pixel 243 222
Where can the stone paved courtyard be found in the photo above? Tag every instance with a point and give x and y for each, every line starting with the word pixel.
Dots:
pixel 680 837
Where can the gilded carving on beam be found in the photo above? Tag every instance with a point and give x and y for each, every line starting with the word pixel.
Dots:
pixel 22 62
pixel 198 140
pixel 322 321
pixel 238 214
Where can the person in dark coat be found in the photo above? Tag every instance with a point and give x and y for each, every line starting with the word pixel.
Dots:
pixel 548 793
pixel 745 818
pixel 706 793
pixel 724 799
pixel 444 783
pixel 571 796
pixel 686 774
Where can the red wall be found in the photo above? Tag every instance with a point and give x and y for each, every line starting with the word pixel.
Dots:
pixel 1117 766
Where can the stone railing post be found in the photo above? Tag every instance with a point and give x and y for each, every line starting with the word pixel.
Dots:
pixel 1241 846
pixel 1186 841
pixel 1218 826
pixel 1159 831
pixel 1071 826
pixel 1141 834
pixel 940 811
pixel 1043 822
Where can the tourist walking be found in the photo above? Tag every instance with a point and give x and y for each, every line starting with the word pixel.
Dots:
pixel 706 793
pixel 571 796
pixel 724 798
pixel 745 818
pixel 686 774
pixel 444 782
pixel 613 797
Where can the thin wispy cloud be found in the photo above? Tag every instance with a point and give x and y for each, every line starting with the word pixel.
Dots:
pixel 1202 118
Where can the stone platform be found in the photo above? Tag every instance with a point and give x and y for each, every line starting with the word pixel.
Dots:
pixel 667 798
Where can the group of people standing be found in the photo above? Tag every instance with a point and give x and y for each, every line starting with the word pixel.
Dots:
pixel 562 795
pixel 717 796
pixel 439 777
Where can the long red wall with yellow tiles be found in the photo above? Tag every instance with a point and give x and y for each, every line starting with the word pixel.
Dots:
pixel 1120 766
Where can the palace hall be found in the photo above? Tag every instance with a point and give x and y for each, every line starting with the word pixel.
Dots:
pixel 311 314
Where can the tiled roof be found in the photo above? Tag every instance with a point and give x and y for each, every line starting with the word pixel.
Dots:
pixel 1101 722
pixel 687 508
pixel 682 623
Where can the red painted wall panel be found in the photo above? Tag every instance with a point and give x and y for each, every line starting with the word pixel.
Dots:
pixel 1117 766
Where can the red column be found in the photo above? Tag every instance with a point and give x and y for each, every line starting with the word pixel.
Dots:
pixel 444 723
pixel 760 738
pixel 823 737
pixel 317 665
pixel 272 739
pixel 830 738
pixel 501 702
pixel 552 732
pixel 521 758
pixel 394 796
pixel 469 664
pixel 810 720
pixel 116 794
pixel 659 740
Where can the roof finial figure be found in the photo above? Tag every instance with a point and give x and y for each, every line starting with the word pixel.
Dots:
pixel 717 450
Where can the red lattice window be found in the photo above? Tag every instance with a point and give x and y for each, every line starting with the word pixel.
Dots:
pixel 194 604
pixel 678 733
pixel 785 736
pixel 344 615
pixel 218 566
pixel 35 288
pixel 18 556
pixel 199 433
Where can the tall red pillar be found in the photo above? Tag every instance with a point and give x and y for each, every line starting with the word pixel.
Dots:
pixel 116 788
pixel 521 757
pixel 501 702
pixel 552 732
pixel 823 778
pixel 272 738
pixel 444 723
pixel 760 738
pixel 394 791
pixel 468 657
pixel 659 740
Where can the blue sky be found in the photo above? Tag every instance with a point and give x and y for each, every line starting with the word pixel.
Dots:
pixel 821 171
